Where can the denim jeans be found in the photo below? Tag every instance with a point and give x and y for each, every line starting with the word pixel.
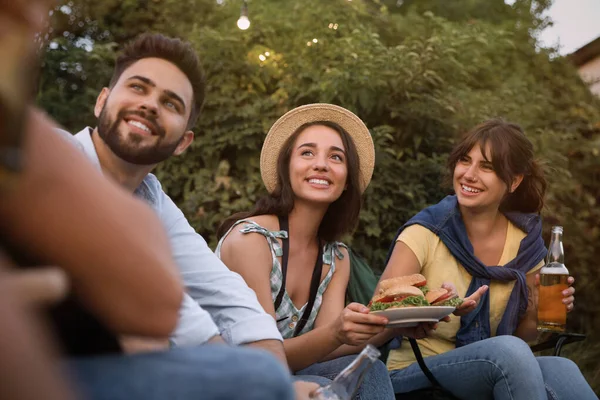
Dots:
pixel 375 386
pixel 212 372
pixel 501 367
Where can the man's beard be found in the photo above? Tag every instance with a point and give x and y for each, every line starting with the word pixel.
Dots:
pixel 128 149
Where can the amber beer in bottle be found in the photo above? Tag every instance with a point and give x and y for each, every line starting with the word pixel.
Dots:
pixel 552 312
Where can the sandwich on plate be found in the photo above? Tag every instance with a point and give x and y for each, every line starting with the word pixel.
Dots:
pixel 410 291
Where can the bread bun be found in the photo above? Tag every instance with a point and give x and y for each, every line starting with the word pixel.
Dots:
pixel 408 280
pixel 443 298
pixel 434 294
pixel 399 291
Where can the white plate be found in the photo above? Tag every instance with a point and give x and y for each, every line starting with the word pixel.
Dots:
pixel 410 316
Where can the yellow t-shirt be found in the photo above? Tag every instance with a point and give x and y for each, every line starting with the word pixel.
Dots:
pixel 439 266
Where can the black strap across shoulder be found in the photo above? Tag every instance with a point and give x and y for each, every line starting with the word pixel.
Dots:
pixel 314 282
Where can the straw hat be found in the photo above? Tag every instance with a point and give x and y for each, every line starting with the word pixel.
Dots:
pixel 285 126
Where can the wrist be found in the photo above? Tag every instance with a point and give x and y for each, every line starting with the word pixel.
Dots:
pixel 335 334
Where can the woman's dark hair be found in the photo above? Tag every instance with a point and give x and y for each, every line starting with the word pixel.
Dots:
pixel 512 155
pixel 341 216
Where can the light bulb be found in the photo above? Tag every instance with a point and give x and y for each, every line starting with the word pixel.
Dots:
pixel 243 23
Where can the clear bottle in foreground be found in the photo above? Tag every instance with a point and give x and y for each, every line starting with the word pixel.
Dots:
pixel 346 384
pixel 552 312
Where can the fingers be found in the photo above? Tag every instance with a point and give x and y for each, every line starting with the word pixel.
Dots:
pixel 537 280
pixel 466 307
pixel 136 344
pixel 470 303
pixel 429 327
pixel 38 287
pixel 30 14
pixel 367 329
pixel 358 326
pixel 481 290
pixel 419 333
pixel 359 314
pixel 422 331
pixel 304 390
pixel 461 312
pixel 569 299
pixel 354 338
pixel 449 287
pixel 351 326
pixel 476 296
pixel 357 307
pixel 467 304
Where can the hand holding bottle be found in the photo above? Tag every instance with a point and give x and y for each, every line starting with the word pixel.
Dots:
pixel 346 384
pixel 304 389
pixel 553 285
pixel 355 326
pixel 568 294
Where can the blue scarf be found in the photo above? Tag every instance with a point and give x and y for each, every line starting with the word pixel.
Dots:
pixel 445 221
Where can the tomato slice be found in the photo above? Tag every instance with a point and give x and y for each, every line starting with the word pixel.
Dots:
pixel 391 299
pixel 442 298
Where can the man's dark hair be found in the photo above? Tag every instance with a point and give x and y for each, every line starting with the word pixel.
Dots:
pixel 176 51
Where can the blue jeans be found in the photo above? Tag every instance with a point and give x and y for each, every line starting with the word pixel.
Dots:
pixel 501 367
pixel 206 372
pixel 375 386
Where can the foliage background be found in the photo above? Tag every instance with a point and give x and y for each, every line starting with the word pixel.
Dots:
pixel 418 72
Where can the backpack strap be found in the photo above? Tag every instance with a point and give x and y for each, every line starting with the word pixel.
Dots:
pixel 434 382
pixel 314 281
pixel 285 244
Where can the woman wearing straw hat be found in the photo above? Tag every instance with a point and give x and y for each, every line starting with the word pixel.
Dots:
pixel 316 161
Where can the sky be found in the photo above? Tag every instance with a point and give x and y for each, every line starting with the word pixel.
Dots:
pixel 576 23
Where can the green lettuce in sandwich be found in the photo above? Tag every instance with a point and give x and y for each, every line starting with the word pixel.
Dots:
pixel 442 297
pixel 397 297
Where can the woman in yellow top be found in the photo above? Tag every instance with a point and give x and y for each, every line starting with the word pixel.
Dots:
pixel 487 235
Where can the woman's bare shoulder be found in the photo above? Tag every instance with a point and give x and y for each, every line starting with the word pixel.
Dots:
pixel 249 245
pixel 269 222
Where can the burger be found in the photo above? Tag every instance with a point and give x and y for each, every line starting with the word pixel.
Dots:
pixel 416 280
pixel 411 291
pixel 443 297
pixel 400 292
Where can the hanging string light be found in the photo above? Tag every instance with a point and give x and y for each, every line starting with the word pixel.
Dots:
pixel 243 22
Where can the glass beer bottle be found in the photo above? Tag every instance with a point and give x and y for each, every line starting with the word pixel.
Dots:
pixel 345 385
pixel 552 312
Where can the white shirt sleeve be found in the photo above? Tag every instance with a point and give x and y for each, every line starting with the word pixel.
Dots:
pixel 69 138
pixel 215 290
